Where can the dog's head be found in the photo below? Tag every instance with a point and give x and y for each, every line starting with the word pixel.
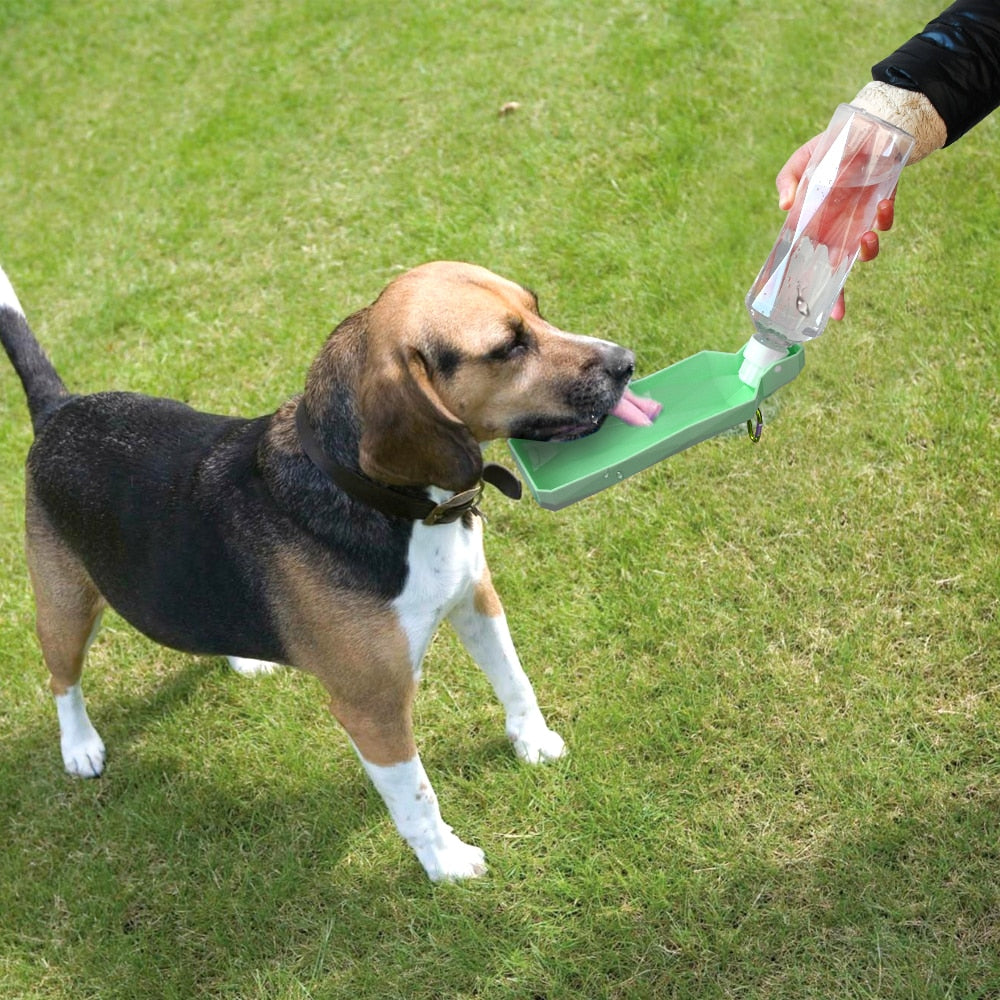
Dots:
pixel 456 355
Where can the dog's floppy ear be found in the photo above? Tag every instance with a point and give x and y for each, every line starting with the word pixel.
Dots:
pixel 409 437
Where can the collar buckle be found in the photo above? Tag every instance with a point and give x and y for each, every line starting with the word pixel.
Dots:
pixel 455 507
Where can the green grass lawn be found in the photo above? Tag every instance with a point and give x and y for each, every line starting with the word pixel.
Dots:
pixel 777 667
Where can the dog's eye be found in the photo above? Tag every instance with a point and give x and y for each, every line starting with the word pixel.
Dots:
pixel 517 344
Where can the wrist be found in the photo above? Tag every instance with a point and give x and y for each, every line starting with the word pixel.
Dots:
pixel 909 110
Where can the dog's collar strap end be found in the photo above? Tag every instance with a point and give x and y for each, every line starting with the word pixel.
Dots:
pixel 392 501
pixel 503 479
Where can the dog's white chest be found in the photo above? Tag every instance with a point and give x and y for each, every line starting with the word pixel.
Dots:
pixel 446 561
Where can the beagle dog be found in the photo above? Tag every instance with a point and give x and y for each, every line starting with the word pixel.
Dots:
pixel 333 535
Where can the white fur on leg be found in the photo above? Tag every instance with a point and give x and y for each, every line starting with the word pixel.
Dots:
pixel 251 668
pixel 82 747
pixel 410 799
pixel 8 297
pixel 534 742
pixel 487 638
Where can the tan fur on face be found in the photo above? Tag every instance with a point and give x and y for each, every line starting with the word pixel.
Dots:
pixel 471 310
pixel 417 413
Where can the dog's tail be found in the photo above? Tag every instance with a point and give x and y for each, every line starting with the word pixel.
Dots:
pixel 42 385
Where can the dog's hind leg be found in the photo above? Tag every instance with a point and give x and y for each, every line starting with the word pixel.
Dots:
pixel 482 626
pixel 68 610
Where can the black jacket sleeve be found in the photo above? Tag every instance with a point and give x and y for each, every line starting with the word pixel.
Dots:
pixel 955 62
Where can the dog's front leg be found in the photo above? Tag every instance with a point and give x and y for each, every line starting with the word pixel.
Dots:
pixel 482 626
pixel 410 799
pixel 379 724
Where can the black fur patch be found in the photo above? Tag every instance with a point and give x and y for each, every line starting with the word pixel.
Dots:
pixel 176 520
pixel 446 361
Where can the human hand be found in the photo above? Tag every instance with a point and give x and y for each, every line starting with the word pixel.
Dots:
pixel 787 183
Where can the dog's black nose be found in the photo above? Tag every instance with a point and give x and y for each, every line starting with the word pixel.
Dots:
pixel 619 362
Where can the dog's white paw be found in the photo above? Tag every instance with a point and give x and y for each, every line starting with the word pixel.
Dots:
pixel 251 668
pixel 451 860
pixel 83 755
pixel 82 747
pixel 536 743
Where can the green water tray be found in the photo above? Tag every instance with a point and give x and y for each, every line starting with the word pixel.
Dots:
pixel 702 396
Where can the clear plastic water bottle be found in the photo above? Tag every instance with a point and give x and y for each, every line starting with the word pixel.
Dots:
pixel 854 166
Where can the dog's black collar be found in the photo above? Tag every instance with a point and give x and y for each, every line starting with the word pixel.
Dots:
pixel 391 501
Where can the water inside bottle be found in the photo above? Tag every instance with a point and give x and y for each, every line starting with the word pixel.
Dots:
pixel 791 300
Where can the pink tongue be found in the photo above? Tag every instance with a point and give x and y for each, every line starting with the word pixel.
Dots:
pixel 635 410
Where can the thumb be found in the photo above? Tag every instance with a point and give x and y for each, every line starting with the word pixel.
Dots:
pixel 787 181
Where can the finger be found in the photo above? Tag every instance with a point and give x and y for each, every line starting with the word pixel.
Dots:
pixel 837 312
pixel 791 173
pixel 885 213
pixel 869 246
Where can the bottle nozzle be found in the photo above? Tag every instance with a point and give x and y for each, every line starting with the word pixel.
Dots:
pixel 757 359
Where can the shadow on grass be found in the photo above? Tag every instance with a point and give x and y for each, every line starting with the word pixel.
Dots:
pixel 170 876
pixel 184 876
pixel 903 905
